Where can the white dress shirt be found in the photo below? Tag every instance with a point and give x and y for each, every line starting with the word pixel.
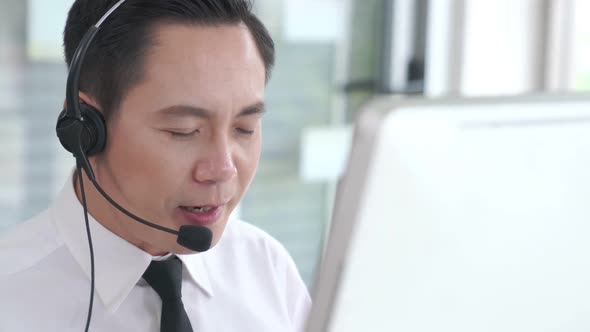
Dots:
pixel 247 282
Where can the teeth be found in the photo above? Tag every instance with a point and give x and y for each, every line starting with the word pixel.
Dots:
pixel 198 209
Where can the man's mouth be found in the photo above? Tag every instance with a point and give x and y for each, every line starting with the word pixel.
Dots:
pixel 197 209
pixel 201 215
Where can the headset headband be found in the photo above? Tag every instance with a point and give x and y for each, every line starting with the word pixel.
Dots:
pixel 73 83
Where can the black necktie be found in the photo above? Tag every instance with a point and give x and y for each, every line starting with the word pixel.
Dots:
pixel 165 277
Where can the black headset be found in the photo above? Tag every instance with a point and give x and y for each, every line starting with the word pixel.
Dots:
pixel 82 130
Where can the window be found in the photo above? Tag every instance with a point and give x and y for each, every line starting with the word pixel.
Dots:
pixel 581 46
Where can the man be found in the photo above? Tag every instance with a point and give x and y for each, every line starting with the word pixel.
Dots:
pixel 180 84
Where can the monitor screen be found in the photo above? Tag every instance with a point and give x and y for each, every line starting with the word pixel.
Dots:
pixel 462 215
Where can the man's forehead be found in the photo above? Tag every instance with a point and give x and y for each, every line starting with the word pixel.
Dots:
pixel 198 79
pixel 222 50
pixel 201 36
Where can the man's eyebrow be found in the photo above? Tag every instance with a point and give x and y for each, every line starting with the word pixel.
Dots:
pixel 257 108
pixel 192 111
pixel 184 110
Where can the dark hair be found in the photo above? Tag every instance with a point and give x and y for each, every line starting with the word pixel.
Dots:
pixel 116 58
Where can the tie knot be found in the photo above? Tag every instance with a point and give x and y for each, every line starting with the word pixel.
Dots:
pixel 165 277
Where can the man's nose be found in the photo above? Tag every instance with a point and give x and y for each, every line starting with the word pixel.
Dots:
pixel 216 165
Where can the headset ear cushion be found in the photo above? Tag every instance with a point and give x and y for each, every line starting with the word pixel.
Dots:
pixel 67 130
pixel 94 138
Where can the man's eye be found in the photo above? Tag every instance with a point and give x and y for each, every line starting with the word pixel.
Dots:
pixel 244 131
pixel 182 134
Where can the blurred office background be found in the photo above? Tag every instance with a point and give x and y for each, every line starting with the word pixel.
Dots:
pixel 333 55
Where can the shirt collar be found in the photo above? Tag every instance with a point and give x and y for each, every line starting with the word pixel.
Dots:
pixel 118 264
pixel 195 265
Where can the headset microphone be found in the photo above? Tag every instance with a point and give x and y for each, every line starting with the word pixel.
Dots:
pixel 82 130
pixel 196 238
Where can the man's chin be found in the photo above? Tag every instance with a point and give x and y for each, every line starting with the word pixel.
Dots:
pixel 184 251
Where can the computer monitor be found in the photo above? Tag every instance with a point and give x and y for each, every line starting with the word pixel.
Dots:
pixel 461 215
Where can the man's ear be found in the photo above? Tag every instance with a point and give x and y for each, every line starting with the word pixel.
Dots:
pixel 86 99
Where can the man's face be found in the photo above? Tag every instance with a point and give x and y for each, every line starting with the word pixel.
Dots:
pixel 185 143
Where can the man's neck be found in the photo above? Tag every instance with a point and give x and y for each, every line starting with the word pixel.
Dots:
pixel 109 216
